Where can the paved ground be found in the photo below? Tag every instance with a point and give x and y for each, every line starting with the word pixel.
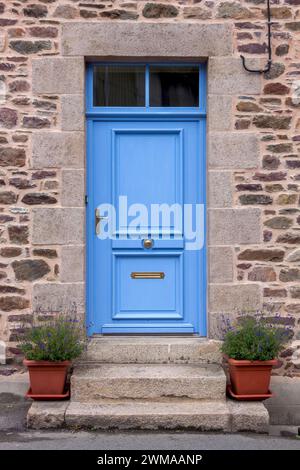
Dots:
pixel 143 441
pixel 13 435
pixel 13 412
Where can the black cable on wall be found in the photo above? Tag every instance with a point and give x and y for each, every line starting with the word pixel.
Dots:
pixel 269 63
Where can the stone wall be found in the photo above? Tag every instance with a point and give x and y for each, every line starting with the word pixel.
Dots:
pixel 254 164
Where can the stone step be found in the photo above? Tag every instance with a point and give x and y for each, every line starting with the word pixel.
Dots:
pixel 225 416
pixel 148 381
pixel 152 350
pixel 177 414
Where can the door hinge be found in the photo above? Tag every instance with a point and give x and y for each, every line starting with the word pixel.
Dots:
pixel 86 199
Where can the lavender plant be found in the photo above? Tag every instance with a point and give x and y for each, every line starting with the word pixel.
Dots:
pixel 254 338
pixel 59 339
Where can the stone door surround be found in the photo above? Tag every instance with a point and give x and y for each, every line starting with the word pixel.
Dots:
pixel 64 148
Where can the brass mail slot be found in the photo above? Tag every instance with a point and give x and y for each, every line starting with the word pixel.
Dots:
pixel 147 275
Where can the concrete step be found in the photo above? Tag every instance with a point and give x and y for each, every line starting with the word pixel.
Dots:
pixel 225 416
pixel 152 350
pixel 148 381
pixel 177 414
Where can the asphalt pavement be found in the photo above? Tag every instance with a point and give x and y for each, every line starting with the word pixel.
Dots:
pixel 66 440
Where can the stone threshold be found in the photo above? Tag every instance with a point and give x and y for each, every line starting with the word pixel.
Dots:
pixel 152 350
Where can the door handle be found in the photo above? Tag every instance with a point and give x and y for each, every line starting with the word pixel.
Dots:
pixel 98 218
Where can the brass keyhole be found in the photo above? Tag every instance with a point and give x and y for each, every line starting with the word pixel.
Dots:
pixel 148 243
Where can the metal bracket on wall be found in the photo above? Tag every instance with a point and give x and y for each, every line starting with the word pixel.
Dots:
pixel 269 63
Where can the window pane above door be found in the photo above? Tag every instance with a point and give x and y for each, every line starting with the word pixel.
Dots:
pixel 146 86
pixel 118 85
pixel 174 86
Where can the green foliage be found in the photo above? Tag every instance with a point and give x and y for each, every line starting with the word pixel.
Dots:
pixel 254 339
pixel 60 339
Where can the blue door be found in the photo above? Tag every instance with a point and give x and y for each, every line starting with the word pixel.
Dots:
pixel 146 199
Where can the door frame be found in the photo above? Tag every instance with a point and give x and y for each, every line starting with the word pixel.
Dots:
pixel 147 114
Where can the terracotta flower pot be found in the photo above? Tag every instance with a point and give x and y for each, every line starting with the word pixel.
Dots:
pixel 46 377
pixel 250 377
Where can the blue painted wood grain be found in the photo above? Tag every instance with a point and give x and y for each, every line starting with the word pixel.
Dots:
pixel 151 155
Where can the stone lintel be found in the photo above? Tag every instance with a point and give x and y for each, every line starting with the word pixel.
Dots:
pixel 146 40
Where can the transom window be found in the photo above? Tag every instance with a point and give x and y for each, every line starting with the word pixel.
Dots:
pixel 150 86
